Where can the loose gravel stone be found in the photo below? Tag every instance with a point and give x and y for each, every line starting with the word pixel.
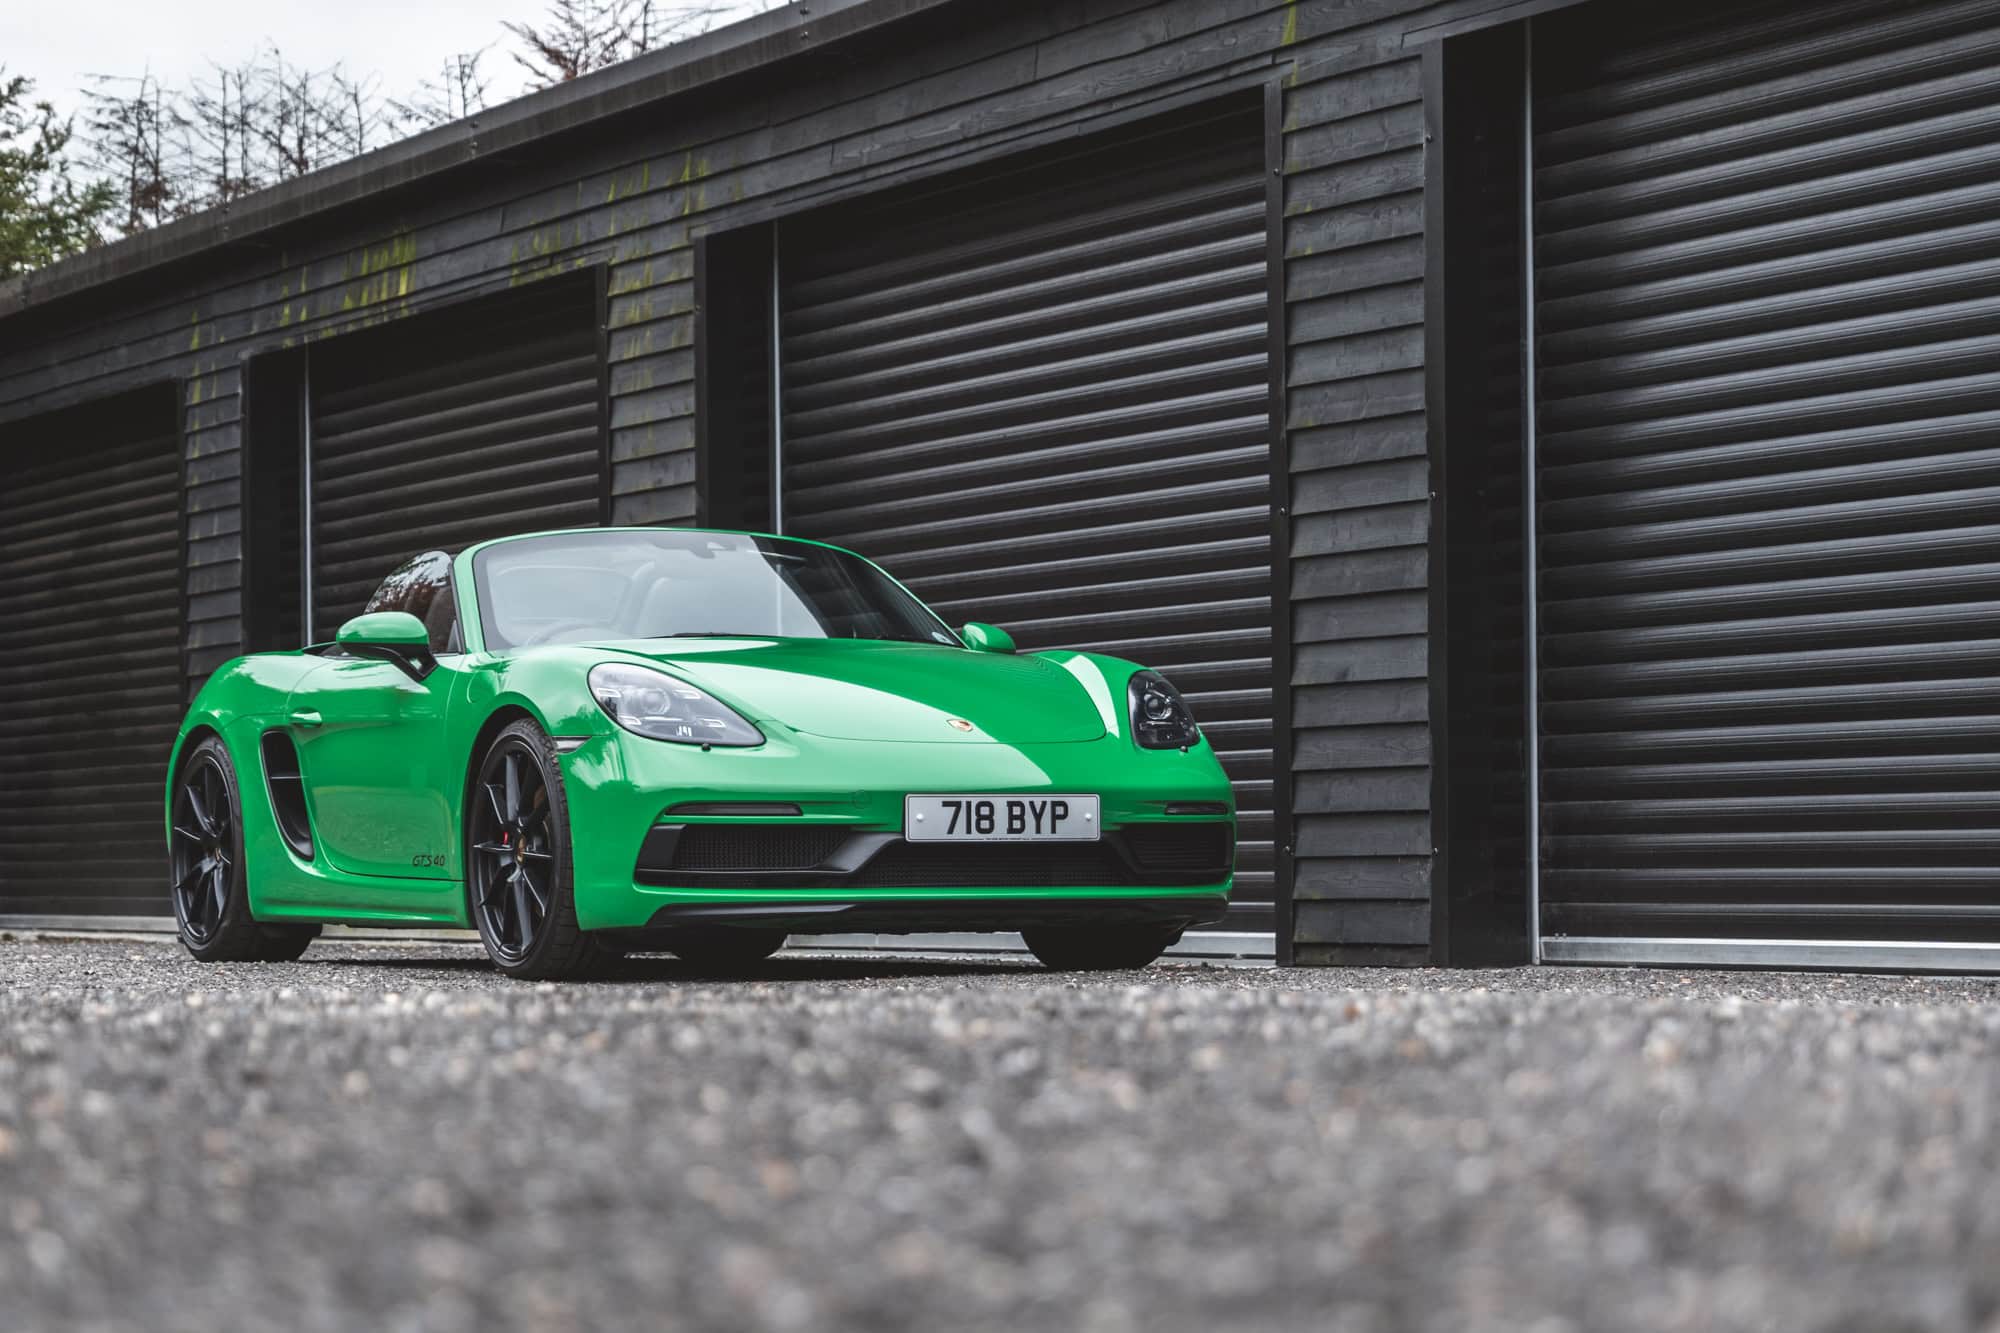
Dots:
pixel 396 1138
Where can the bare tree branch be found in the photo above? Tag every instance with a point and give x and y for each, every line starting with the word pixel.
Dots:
pixel 459 91
pixel 168 151
pixel 576 37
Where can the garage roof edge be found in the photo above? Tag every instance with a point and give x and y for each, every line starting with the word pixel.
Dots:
pixel 739 48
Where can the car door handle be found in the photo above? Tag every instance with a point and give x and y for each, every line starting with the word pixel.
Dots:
pixel 305 717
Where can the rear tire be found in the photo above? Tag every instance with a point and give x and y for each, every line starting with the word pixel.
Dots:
pixel 518 881
pixel 1099 948
pixel 724 948
pixel 206 868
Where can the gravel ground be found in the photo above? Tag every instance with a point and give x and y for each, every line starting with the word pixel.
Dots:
pixel 394 1138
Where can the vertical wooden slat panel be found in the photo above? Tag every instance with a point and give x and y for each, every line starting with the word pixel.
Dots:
pixel 1354 282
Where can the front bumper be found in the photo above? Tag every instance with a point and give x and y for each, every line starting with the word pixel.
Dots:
pixel 911 915
pixel 619 789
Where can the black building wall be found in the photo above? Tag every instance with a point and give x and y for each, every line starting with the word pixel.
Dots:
pixel 860 102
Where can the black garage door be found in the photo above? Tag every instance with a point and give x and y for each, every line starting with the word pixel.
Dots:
pixel 1768 345
pixel 91 680
pixel 449 429
pixel 1041 398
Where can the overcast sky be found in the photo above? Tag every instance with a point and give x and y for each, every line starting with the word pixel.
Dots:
pixel 405 42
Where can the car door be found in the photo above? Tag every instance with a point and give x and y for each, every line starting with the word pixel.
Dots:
pixel 370 740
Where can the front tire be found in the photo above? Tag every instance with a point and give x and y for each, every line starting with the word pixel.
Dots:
pixel 1099 948
pixel 206 868
pixel 519 881
pixel 724 948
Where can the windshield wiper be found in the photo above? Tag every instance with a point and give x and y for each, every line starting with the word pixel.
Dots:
pixel 711 634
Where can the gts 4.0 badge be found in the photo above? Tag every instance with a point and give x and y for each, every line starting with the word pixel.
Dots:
pixel 428 860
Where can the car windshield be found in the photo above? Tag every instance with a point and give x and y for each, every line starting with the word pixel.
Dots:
pixel 577 587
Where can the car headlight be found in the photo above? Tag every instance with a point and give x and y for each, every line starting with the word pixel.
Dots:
pixel 665 708
pixel 1161 719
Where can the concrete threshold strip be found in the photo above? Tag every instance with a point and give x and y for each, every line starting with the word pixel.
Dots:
pixel 1224 947
pixel 1815 955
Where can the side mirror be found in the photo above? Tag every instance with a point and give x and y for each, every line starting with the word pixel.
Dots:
pixel 987 638
pixel 396 637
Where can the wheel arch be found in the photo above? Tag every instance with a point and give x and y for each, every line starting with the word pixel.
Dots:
pixel 206 729
pixel 193 735
pixel 505 714
pixel 241 690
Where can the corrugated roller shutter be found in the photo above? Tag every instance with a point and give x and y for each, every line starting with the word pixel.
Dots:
pixel 471 424
pixel 1041 399
pixel 90 686
pixel 1768 261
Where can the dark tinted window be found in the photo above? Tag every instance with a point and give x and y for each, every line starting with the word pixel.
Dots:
pixel 422 586
pixel 586 586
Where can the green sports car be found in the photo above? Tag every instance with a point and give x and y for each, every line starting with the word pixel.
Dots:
pixel 594 742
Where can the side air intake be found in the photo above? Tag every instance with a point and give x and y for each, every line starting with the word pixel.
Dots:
pixel 288 792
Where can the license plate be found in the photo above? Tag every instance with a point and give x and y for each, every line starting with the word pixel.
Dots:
pixel 1000 818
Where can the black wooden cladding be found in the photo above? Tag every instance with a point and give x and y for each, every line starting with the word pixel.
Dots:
pixel 1041 397
pixel 966 84
pixel 91 683
pixel 1768 273
pixel 472 424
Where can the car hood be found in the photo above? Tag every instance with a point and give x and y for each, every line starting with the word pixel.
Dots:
pixel 870 690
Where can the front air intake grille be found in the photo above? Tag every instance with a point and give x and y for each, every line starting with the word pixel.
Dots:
pixel 1180 846
pixel 751 847
pixel 992 866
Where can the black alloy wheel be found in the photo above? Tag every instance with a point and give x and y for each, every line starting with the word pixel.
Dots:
pixel 205 863
pixel 518 864
pixel 203 848
pixel 513 867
